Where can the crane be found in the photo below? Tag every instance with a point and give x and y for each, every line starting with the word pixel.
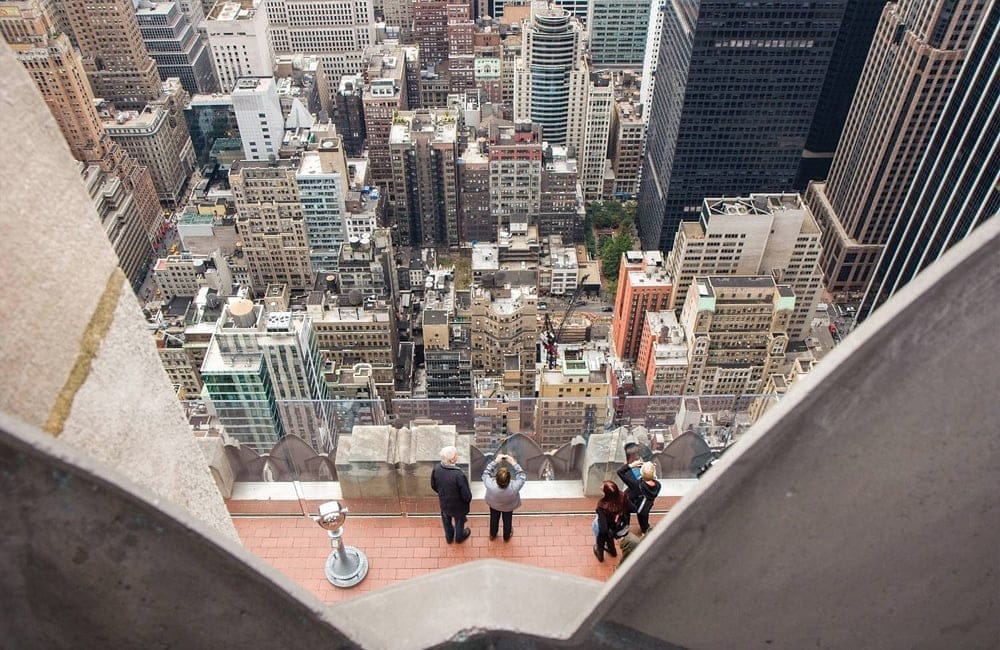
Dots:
pixel 550 336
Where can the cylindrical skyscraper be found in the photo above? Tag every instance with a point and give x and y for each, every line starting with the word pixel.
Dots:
pixel 550 50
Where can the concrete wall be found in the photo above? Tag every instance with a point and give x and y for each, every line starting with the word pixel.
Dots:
pixel 76 358
pixel 88 559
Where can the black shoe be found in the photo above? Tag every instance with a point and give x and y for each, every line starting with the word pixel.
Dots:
pixel 449 540
pixel 611 550
pixel 507 537
pixel 598 553
pixel 466 534
pixel 493 537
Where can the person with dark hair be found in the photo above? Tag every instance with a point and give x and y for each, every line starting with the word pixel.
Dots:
pixel 612 520
pixel 641 491
pixel 632 454
pixel 452 488
pixel 502 494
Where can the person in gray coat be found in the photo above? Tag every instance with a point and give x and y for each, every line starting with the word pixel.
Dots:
pixel 503 494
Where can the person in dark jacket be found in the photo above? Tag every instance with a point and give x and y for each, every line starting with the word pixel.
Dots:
pixel 612 520
pixel 642 491
pixel 502 494
pixel 453 492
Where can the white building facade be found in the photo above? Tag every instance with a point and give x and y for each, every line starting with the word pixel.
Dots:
pixel 240 43
pixel 258 113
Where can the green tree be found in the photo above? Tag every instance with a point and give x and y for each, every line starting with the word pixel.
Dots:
pixel 588 232
pixel 611 252
pixel 607 214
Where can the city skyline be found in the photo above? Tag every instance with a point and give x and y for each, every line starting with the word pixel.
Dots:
pixel 399 187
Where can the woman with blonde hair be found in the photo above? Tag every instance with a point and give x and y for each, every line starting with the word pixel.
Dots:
pixel 641 492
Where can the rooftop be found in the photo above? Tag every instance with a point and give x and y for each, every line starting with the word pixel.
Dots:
pixel 755 281
pixel 243 10
pixel 404 547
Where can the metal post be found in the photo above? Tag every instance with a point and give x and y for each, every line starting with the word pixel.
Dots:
pixel 346 566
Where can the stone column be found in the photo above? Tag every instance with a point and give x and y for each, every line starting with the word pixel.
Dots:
pixel 604 453
pixel 420 452
pixel 366 463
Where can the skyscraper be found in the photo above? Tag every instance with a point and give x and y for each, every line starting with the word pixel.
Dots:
pixel 910 73
pixel 515 153
pixel 736 89
pixel 737 332
pixel 475 221
pixel 337 32
pixel 504 335
pixel 617 32
pixel 643 286
pixel 323 183
pixel 654 32
pixel 349 114
pixel 59 76
pixel 270 221
pixel 627 141
pixel 957 185
pixel 772 234
pixel 264 375
pixel 177 47
pixel 237 36
pixel 158 138
pixel 553 41
pixel 424 194
pixel 591 105
pixel 258 113
pixel 118 65
pixel 853 40
pixel 561 209
pixel 385 94
pixel 430 28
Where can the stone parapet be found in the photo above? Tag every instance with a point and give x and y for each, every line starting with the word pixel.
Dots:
pixel 214 450
pixel 366 463
pixel 383 462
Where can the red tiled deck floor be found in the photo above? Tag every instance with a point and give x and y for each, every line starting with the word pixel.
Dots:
pixel 404 547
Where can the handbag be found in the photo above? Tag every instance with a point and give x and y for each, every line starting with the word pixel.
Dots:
pixel 621 525
pixel 617 532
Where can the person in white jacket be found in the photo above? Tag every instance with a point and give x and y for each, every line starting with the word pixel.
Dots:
pixel 503 494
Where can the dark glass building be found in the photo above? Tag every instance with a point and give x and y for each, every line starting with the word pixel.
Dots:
pixel 853 40
pixel 737 85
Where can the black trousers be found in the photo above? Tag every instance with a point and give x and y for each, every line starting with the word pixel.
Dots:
pixel 508 518
pixel 454 525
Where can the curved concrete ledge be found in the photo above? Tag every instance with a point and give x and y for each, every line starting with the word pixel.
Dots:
pixel 89 559
pixel 489 599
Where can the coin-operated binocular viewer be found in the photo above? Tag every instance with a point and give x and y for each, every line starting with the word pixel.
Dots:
pixel 346 566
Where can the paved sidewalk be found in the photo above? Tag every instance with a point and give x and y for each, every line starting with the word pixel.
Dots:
pixel 399 547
